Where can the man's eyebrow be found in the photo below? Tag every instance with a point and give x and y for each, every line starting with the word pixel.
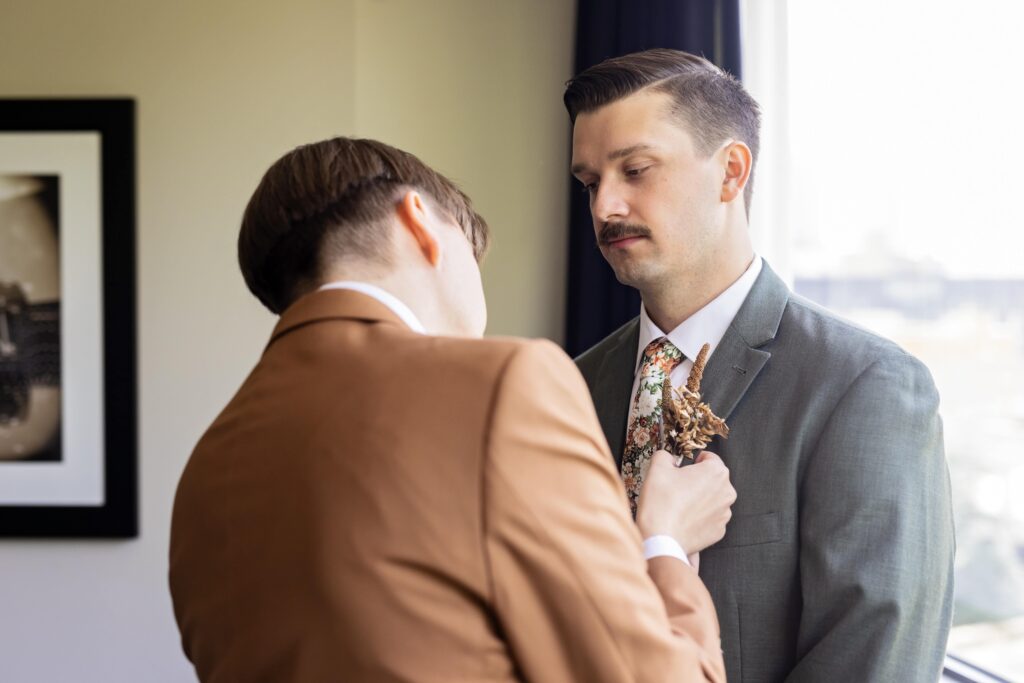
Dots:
pixel 626 151
pixel 617 154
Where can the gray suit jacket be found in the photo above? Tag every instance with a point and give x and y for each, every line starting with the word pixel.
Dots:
pixel 838 562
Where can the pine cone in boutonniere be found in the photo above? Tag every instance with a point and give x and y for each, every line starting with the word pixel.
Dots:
pixel 687 424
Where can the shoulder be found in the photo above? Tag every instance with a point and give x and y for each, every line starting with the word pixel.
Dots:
pixel 540 390
pixel 495 360
pixel 838 347
pixel 533 372
pixel 541 359
pixel 814 325
pixel 590 360
pixel 454 358
pixel 494 352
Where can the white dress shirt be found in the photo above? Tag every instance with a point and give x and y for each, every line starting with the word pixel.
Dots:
pixel 383 296
pixel 706 326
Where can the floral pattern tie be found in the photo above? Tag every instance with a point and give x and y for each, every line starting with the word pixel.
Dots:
pixel 658 360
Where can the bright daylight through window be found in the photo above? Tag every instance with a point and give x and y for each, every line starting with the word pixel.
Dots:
pixel 897 164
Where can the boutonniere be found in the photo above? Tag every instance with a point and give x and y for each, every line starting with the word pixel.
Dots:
pixel 687 424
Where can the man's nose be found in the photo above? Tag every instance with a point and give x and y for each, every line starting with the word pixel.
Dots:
pixel 607 203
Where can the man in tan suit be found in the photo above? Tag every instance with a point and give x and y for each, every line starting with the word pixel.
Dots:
pixel 390 498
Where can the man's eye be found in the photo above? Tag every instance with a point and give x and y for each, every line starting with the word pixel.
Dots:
pixel 634 172
pixel 589 188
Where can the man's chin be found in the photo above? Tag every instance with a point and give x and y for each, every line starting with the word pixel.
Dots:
pixel 630 275
pixel 629 268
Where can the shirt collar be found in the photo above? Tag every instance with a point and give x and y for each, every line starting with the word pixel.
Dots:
pixel 383 296
pixel 706 326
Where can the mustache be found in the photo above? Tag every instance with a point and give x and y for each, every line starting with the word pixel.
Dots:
pixel 611 232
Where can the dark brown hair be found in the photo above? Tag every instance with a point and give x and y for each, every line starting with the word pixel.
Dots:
pixel 711 103
pixel 331 200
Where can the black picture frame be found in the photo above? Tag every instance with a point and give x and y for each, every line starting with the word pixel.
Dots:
pixel 114 120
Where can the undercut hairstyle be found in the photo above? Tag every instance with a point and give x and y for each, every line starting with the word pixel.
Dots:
pixel 713 105
pixel 332 201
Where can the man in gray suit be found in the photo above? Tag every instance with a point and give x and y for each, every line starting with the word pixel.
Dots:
pixel 838 562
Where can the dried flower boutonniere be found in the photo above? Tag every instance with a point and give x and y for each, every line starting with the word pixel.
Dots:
pixel 688 424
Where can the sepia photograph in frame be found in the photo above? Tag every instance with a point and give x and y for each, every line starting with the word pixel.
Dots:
pixel 68 432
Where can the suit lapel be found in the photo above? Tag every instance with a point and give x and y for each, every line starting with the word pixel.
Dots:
pixel 730 372
pixel 737 359
pixel 613 386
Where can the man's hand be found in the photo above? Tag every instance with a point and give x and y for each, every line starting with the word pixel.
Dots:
pixel 691 504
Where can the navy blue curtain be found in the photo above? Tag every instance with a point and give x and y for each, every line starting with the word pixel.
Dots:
pixel 597 304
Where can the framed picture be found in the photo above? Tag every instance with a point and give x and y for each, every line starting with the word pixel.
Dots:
pixel 68 433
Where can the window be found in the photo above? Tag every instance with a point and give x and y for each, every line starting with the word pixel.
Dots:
pixel 888 191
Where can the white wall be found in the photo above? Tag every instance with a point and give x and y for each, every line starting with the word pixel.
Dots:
pixel 223 88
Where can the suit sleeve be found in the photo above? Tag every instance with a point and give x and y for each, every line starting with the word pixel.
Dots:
pixel 572 592
pixel 876 532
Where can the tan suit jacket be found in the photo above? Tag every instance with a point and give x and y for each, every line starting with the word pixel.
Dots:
pixel 379 505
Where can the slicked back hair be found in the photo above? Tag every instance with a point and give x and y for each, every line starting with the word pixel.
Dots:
pixel 712 104
pixel 330 201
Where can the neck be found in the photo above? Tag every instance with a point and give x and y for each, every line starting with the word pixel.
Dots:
pixel 414 292
pixel 671 303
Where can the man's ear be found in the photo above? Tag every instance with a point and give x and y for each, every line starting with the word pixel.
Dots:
pixel 413 214
pixel 738 160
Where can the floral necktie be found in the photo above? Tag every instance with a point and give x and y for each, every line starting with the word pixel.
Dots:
pixel 659 358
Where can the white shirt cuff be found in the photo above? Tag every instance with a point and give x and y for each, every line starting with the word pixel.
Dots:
pixel 661 546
